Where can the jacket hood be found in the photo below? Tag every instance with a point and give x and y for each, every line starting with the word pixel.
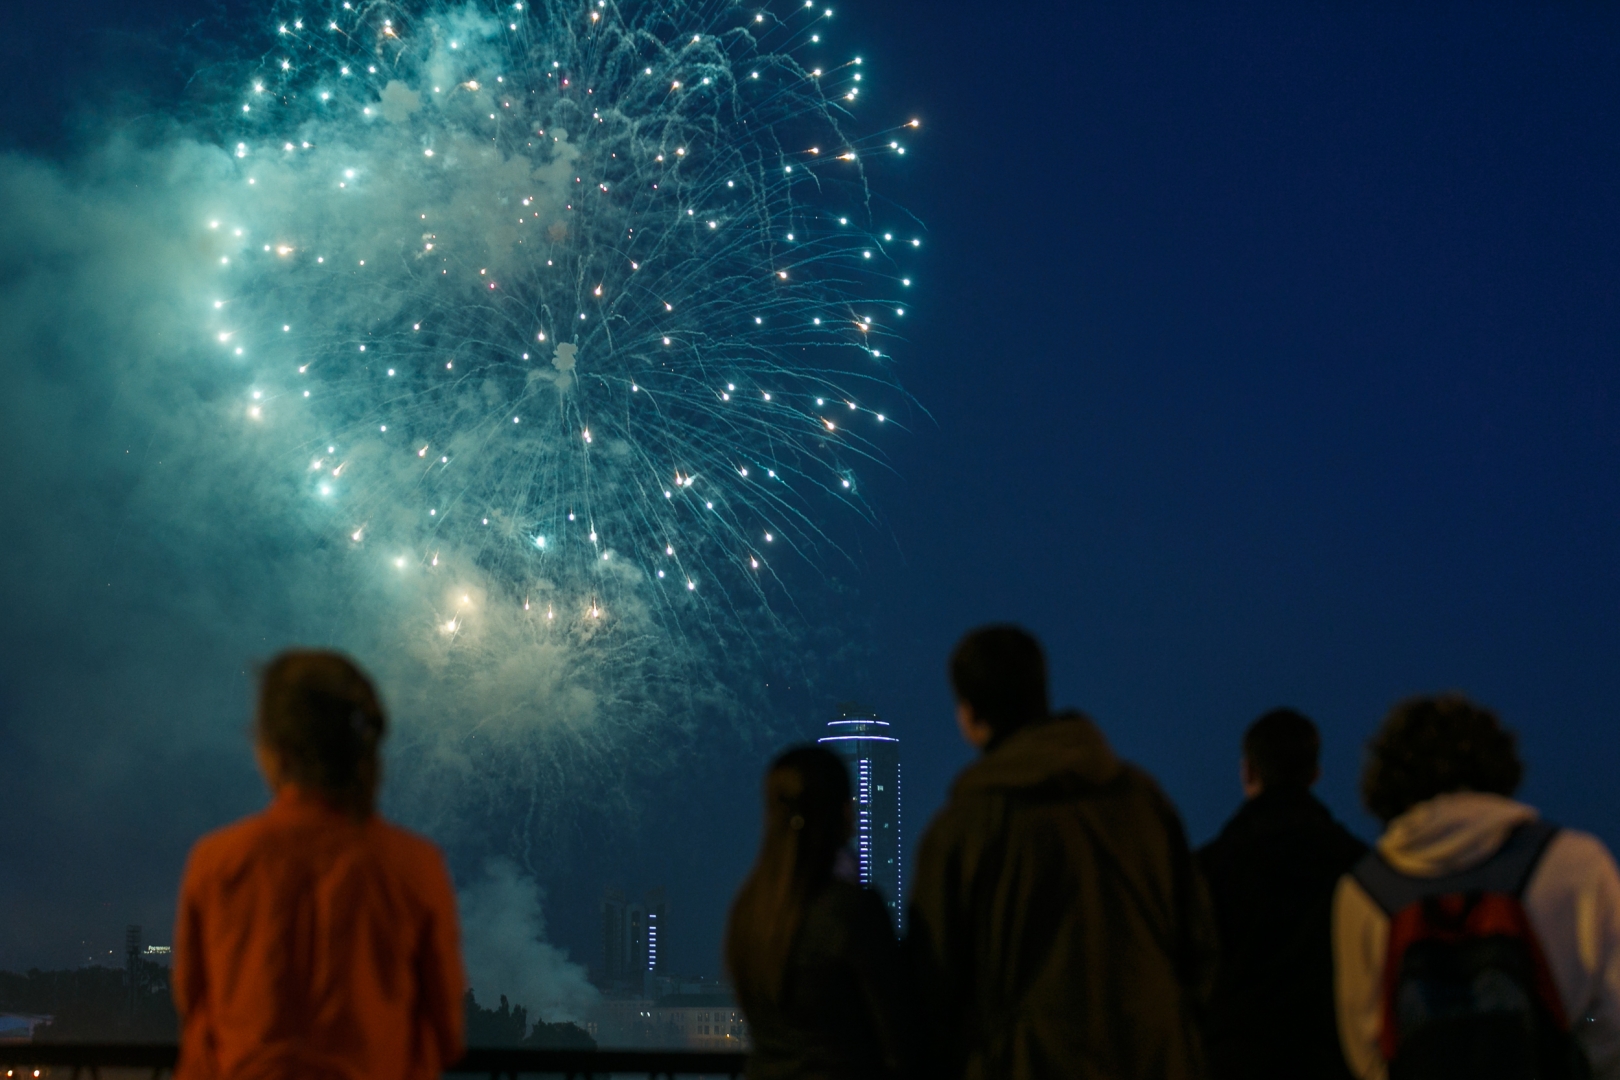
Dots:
pixel 1067 745
pixel 1450 833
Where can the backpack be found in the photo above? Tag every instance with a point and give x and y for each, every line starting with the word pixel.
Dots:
pixel 1466 988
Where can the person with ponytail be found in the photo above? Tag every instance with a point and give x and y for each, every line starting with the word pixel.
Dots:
pixel 811 953
pixel 315 939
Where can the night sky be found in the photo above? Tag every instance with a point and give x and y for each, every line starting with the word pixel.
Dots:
pixel 1269 357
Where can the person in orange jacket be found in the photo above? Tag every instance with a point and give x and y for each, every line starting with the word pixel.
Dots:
pixel 315 939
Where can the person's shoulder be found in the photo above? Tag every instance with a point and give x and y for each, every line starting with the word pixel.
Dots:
pixel 972 807
pixel 414 862
pixel 1136 788
pixel 845 898
pixel 963 815
pixel 867 904
pixel 1577 860
pixel 1215 853
pixel 226 844
pixel 1233 837
pixel 405 845
pixel 1133 777
pixel 1349 847
pixel 1353 904
pixel 871 918
pixel 1578 843
pixel 840 893
pixel 849 912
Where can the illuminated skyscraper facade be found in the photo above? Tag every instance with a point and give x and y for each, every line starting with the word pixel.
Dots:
pixel 633 938
pixel 871 749
pixel 655 911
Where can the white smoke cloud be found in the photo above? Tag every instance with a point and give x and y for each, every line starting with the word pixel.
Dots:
pixel 504 947
pixel 207 329
pixel 155 553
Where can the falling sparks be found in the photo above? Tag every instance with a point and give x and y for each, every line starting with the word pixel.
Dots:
pixel 778 275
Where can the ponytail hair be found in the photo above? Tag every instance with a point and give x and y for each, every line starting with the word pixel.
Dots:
pixel 321 715
pixel 806 823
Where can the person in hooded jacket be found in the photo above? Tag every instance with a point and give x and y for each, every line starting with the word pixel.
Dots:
pixel 1058 926
pixel 1271 873
pixel 1440 775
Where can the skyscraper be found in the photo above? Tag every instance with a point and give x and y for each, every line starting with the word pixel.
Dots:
pixel 656 910
pixel 870 748
pixel 633 945
pixel 616 964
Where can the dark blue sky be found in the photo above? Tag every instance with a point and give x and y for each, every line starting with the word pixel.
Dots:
pixel 1271 355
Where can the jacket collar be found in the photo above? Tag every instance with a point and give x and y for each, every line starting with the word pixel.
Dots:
pixel 1068 745
pixel 1278 808
pixel 294 803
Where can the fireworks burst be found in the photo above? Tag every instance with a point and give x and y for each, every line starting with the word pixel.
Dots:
pixel 587 305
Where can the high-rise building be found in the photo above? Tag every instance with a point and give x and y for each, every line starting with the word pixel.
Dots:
pixel 634 937
pixel 871 749
pixel 132 961
pixel 652 956
pixel 615 936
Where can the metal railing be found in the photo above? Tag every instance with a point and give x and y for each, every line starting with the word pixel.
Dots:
pixel 21 1059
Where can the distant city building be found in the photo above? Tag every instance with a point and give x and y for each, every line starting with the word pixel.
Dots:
pixel 634 939
pixel 132 965
pixel 698 1021
pixel 870 748
pixel 615 936
pixel 656 911
pixel 701 1021
pixel 622 1021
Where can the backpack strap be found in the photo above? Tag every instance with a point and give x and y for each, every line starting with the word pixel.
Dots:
pixel 1508 871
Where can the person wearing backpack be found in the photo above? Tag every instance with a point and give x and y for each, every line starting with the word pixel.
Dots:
pixel 1476 940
